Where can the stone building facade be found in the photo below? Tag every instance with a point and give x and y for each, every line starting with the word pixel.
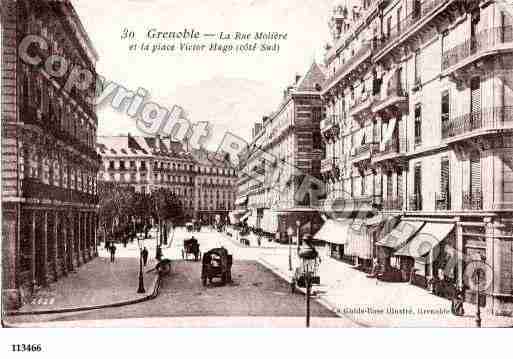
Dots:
pixel 204 187
pixel 420 124
pixel 49 163
pixel 285 148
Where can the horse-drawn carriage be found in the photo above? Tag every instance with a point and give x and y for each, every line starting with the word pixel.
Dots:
pixel 191 246
pixel 217 263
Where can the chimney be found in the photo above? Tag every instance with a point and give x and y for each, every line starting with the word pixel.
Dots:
pixel 298 77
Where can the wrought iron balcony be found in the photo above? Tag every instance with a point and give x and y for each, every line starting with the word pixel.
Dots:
pixel 396 98
pixel 488 39
pixel 415 203
pixel 442 201
pixel 393 203
pixel 361 104
pixel 327 165
pixel 364 152
pixel 420 12
pixel 472 123
pixel 361 55
pixel 394 149
pixel 472 200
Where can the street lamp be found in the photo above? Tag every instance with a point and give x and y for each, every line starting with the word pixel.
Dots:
pixel 141 279
pixel 480 259
pixel 308 271
pixel 290 233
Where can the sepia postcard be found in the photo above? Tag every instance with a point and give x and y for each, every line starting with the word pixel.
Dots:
pixel 256 164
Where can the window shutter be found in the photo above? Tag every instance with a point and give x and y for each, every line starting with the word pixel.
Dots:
pixel 444 176
pixel 475 175
pixel 475 102
pixel 399 188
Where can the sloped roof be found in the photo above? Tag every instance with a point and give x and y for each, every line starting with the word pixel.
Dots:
pixel 313 78
pixel 137 146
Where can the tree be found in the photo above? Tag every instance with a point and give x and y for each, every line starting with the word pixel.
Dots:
pixel 167 208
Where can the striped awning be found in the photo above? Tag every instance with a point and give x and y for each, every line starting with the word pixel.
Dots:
pixel 334 231
pixel 401 234
pixel 425 240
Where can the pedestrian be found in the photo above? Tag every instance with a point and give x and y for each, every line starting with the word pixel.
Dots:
pixel 112 250
pixel 144 254
pixel 158 254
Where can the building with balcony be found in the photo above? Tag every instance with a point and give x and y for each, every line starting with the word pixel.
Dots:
pixel 49 163
pixel 421 122
pixel 284 151
pixel 204 186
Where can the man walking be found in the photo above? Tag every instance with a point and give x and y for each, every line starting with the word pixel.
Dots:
pixel 144 254
pixel 112 250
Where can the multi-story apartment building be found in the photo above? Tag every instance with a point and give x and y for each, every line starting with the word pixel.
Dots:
pixel 285 148
pixel 204 187
pixel 419 121
pixel 49 163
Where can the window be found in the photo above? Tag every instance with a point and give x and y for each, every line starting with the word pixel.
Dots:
pixel 445 182
pixel 418 124
pixel 399 10
pixel 445 108
pixel 417 69
pixel 389 27
pixel 417 187
pixel 111 165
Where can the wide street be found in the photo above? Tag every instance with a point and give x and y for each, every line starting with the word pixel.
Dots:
pixel 256 297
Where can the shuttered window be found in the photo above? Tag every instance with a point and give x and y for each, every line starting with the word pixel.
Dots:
pixel 444 175
pixel 399 189
pixel 418 124
pixel 475 102
pixel 475 175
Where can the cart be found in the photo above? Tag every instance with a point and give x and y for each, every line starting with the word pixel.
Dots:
pixel 191 246
pixel 217 263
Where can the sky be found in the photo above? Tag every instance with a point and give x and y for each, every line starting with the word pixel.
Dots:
pixel 230 91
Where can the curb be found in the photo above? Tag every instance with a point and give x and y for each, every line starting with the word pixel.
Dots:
pixel 153 295
pixel 322 301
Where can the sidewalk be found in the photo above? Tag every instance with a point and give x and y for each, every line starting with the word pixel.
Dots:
pixel 369 302
pixel 97 283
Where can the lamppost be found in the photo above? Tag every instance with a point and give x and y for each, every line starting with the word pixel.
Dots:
pixel 308 269
pixel 478 272
pixel 290 233
pixel 141 279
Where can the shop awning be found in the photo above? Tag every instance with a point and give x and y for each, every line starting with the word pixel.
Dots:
pixel 425 240
pixel 241 200
pixel 334 231
pixel 252 220
pixel 269 221
pixel 359 243
pixel 400 234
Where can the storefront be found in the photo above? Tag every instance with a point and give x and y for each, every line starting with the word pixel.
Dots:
pixel 390 243
pixel 425 255
pixel 335 233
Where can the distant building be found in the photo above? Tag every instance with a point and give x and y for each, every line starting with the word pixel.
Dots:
pixel 286 146
pixel 204 187
pixel 49 163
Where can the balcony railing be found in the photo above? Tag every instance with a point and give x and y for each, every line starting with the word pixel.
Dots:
pixel 359 56
pixel 394 96
pixel 418 13
pixel 393 203
pixel 442 201
pixel 34 188
pixel 394 147
pixel 487 119
pixel 485 40
pixel 365 150
pixel 330 121
pixel 415 202
pixel 472 200
pixel 361 103
pixel 327 164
